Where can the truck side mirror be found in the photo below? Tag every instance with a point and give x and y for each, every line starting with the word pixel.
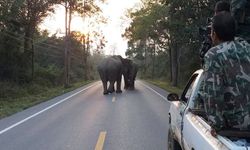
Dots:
pixel 173 97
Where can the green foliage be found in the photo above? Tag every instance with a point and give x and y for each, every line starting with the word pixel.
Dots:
pixel 18 21
pixel 164 40
pixel 15 98
pixel 164 84
pixel 49 75
pixel 31 61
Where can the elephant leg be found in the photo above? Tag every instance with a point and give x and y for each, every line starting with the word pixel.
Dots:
pixel 132 85
pixel 104 80
pixel 125 85
pixel 125 82
pixel 105 91
pixel 118 85
pixel 111 87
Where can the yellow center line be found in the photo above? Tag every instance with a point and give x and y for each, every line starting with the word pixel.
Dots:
pixel 113 99
pixel 100 142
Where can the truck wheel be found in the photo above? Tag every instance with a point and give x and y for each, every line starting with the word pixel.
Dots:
pixel 172 143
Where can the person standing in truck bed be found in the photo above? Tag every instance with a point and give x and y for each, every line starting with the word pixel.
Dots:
pixel 226 86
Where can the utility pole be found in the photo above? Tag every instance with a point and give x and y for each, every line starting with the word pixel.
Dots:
pixel 87 52
pixel 32 59
pixel 153 69
pixel 84 48
pixel 85 42
pixel 66 50
pixel 69 5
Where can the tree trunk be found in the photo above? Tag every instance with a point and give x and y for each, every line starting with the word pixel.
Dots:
pixel 66 64
pixel 29 49
pixel 69 41
pixel 153 69
pixel 174 52
pixel 32 60
pixel 85 57
pixel 170 64
pixel 179 63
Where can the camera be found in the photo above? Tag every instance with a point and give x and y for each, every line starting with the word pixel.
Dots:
pixel 204 33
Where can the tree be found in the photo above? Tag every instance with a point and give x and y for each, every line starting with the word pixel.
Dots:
pixel 87 8
pixel 19 20
pixel 32 13
pixel 172 27
pixel 146 34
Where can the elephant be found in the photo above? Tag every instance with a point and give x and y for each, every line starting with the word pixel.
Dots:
pixel 129 77
pixel 111 70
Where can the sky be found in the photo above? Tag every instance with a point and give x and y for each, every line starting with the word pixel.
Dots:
pixel 113 10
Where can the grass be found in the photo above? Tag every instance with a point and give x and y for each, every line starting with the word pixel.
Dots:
pixel 166 86
pixel 15 98
pixel 19 98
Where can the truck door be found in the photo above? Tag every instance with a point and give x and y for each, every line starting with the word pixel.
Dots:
pixel 186 96
pixel 195 130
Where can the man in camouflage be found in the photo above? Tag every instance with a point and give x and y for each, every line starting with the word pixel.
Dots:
pixel 226 86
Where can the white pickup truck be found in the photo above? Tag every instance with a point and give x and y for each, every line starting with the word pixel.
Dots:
pixel 189 129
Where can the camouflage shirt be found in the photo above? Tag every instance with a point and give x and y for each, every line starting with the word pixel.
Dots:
pixel 226 86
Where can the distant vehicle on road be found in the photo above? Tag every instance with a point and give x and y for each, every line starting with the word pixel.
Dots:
pixel 189 128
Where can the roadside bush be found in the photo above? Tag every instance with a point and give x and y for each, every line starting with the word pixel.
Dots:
pixel 12 90
pixel 48 76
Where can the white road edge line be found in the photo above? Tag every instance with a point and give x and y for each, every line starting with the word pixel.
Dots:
pixel 51 106
pixel 154 91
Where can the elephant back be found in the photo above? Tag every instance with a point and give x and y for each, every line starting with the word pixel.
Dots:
pixel 110 67
pixel 109 62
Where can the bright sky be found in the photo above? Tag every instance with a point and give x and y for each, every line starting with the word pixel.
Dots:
pixel 114 10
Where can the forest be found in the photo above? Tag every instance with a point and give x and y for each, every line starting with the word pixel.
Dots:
pixel 35 65
pixel 163 39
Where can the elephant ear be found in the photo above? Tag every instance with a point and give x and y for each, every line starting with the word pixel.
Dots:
pixel 127 63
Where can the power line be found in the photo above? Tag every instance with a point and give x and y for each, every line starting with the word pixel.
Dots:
pixel 35 45
pixel 39 46
pixel 13 36
pixel 46 48
pixel 46 54
pixel 53 46
pixel 19 39
pixel 76 57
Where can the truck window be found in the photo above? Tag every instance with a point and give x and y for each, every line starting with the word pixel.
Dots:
pixel 197 102
pixel 189 88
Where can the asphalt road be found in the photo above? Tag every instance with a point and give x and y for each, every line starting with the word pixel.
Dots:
pixel 85 119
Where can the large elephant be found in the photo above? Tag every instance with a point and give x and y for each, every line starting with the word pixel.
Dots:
pixel 111 70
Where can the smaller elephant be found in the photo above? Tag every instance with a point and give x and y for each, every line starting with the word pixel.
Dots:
pixel 130 75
